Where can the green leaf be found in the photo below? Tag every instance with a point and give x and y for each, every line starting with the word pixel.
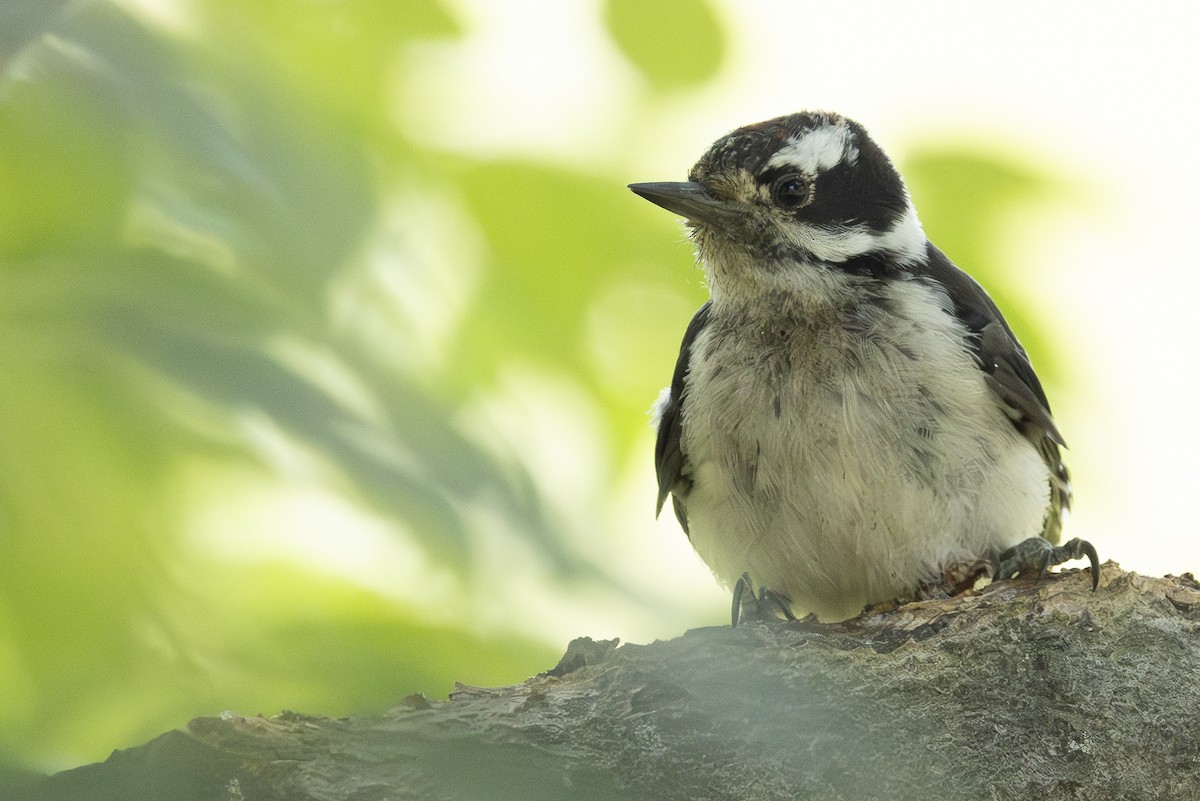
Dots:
pixel 675 44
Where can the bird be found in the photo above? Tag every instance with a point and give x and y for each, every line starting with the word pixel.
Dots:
pixel 850 415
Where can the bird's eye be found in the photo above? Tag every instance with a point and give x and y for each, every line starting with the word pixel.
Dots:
pixel 791 191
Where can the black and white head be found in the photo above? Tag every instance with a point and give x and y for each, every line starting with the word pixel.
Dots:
pixel 806 197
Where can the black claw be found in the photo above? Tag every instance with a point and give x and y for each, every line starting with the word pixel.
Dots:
pixel 738 589
pixel 781 603
pixel 1081 548
pixel 766 596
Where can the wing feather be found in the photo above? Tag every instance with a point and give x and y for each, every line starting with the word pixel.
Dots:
pixel 1009 374
pixel 670 462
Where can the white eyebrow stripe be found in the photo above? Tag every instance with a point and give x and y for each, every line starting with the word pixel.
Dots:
pixel 816 150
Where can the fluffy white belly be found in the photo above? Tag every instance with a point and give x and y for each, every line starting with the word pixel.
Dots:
pixel 840 470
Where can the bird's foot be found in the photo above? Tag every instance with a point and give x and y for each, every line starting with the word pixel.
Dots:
pixel 1036 554
pixel 766 605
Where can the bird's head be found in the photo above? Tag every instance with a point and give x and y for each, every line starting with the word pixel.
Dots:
pixel 808 197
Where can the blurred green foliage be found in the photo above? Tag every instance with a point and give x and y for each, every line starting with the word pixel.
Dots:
pixel 173 206
pixel 168 210
pixel 690 55
pixel 201 222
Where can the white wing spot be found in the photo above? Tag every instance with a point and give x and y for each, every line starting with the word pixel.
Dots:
pixel 660 406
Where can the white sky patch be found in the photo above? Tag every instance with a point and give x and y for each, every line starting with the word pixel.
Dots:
pixel 536 78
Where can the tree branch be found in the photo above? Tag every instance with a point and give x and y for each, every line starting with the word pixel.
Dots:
pixel 1022 690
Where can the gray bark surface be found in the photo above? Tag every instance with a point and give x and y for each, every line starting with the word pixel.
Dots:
pixel 1019 691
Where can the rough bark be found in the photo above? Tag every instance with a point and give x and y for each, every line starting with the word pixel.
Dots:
pixel 1022 690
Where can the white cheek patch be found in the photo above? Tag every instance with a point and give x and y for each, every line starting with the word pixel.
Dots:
pixel 905 240
pixel 817 150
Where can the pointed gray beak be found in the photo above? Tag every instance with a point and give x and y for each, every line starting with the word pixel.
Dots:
pixel 687 199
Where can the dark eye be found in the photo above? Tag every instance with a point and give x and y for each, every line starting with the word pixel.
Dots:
pixel 791 191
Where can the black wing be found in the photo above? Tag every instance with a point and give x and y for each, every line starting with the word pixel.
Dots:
pixel 669 458
pixel 1009 374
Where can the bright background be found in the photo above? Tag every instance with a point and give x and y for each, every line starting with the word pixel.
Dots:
pixel 328 329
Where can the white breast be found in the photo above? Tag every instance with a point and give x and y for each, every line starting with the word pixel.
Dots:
pixel 842 459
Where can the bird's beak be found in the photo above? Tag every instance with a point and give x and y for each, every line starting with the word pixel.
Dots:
pixel 687 199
